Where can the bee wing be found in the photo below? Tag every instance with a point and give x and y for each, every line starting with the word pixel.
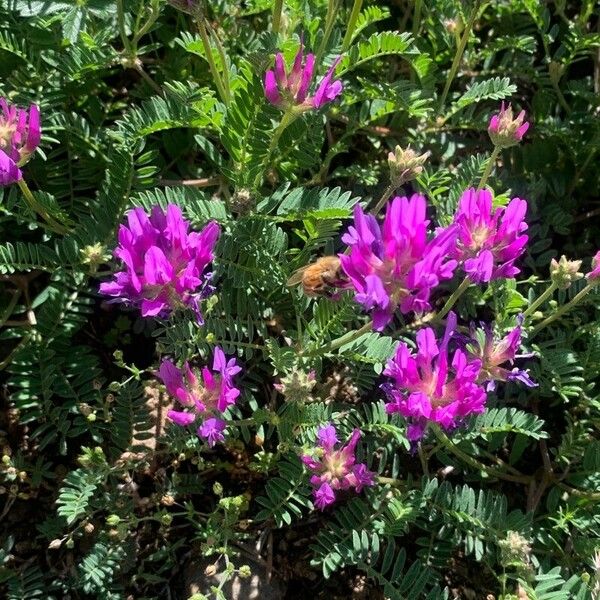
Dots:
pixel 296 277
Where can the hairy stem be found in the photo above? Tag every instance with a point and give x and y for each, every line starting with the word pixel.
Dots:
pixel 488 167
pixel 351 24
pixel 345 339
pixel 417 17
pixel 384 198
pixel 329 22
pixel 458 55
pixel 539 301
pixel 562 310
pixel 122 30
pixel 276 19
pixel 458 292
pixel 472 462
pixel 223 92
pixel 35 206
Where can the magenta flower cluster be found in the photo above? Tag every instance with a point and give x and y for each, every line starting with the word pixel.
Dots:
pixel 164 265
pixel 433 384
pixel 395 265
pixel 20 134
pixel 336 468
pixel 204 396
pixel 286 90
pixel 489 241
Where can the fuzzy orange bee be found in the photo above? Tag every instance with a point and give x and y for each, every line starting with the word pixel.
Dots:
pixel 321 277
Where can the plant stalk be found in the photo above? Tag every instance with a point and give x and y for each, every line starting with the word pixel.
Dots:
pixel 223 92
pixel 472 462
pixel 562 310
pixel 329 23
pixel 351 24
pixel 276 19
pixel 458 55
pixel 458 292
pixel 488 167
pixel 35 206
pixel 417 17
pixel 547 293
pixel 384 198
pixel 345 339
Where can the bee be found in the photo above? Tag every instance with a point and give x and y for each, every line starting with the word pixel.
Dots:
pixel 321 277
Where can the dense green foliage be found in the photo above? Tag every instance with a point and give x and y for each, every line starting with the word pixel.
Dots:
pixel 102 498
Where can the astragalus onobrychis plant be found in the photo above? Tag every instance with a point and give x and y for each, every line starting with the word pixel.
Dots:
pixel 302 296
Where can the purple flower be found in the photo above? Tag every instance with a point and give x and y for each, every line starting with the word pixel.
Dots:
pixel 203 394
pixel 432 386
pixel 336 469
pixel 212 431
pixel 286 90
pixel 494 352
pixel 594 274
pixel 506 131
pixel 164 264
pixel 20 134
pixel 489 241
pixel 394 266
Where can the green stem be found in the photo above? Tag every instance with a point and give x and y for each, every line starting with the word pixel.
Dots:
pixel 351 24
pixel 458 292
pixel 423 458
pixel 345 339
pixel 488 167
pixel 276 20
pixel 140 33
pixel 562 310
pixel 458 55
pixel 223 93
pixel 329 23
pixel 472 462
pixel 224 62
pixel 35 206
pixel 417 17
pixel 122 30
pixel 547 293
pixel 384 198
pixel 288 118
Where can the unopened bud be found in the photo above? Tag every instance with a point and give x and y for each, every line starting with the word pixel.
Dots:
pixel 514 548
pixel 55 544
pixel 245 571
pixel 94 255
pixel 296 386
pixel 242 201
pixel 505 130
pixel 565 272
pixel 167 500
pixel 113 520
pixel 89 528
pixel 217 489
pixel 454 25
pixel 166 518
pixel 405 165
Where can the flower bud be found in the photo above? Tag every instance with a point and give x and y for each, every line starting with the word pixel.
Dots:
pixel 565 272
pixel 166 518
pixel 297 386
pixel 506 131
pixel 94 255
pixel 242 201
pixel 454 26
pixel 514 548
pixel 113 520
pixel 89 528
pixel 405 165
pixel 217 489
pixel 245 571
